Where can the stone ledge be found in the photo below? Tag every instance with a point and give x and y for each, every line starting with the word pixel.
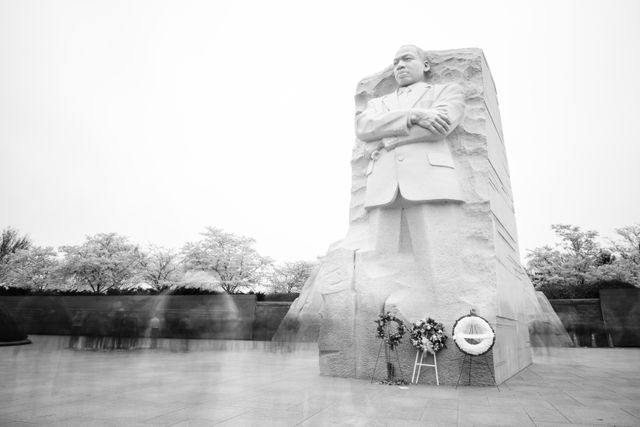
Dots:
pixel 8 343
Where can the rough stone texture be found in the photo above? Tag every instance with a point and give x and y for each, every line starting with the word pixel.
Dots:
pixel 355 284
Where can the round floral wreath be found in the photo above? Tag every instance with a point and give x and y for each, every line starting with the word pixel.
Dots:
pixel 473 335
pixel 428 335
pixel 391 338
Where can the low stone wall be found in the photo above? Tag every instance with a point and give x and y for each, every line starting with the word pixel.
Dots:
pixel 621 314
pixel 268 316
pixel 235 317
pixel 583 320
pixel 585 323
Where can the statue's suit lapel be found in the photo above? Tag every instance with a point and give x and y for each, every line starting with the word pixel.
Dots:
pixel 417 93
pixel 392 102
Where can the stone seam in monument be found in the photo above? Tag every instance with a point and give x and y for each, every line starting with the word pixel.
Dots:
pixel 354 284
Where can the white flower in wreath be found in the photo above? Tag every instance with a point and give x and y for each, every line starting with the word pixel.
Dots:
pixel 473 335
pixel 428 345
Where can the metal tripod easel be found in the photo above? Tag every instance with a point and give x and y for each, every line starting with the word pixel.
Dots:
pixel 391 372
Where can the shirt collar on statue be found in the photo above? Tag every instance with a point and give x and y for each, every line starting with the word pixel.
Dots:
pixel 410 96
pixel 404 90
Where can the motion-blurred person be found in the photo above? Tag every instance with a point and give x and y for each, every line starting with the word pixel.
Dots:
pixel 103 331
pixel 185 332
pixel 76 329
pixel 130 331
pixel 154 324
pixel 92 326
pixel 117 329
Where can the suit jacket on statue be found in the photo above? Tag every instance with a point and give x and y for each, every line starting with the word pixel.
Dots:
pixel 412 160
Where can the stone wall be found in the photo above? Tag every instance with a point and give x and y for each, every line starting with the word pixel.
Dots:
pixel 236 317
pixel 582 319
pixel 268 315
pixel 621 314
pixel 611 320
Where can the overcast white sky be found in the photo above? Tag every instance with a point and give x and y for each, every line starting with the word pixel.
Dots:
pixel 155 119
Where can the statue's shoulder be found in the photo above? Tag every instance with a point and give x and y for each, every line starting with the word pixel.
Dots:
pixel 449 87
pixel 438 87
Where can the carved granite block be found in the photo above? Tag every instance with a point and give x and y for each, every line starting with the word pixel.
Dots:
pixel 464 254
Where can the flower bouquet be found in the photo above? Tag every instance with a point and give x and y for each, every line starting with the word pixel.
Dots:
pixel 428 335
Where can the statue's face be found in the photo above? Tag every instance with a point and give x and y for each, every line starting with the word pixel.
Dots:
pixel 408 66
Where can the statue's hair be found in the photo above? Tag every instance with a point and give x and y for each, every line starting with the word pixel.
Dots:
pixel 419 51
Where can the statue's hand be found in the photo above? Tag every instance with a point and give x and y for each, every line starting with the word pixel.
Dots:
pixel 435 121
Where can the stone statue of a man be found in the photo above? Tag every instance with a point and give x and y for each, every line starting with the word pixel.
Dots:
pixel 411 176
pixel 432 230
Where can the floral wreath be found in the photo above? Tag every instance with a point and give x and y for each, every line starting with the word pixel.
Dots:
pixel 392 339
pixel 428 335
pixel 473 335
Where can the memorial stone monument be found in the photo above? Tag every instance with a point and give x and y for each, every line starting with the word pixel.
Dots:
pixel 431 231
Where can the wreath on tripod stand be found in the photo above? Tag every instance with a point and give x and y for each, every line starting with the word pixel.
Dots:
pixel 428 335
pixel 391 337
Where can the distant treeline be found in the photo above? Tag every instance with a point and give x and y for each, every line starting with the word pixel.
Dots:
pixel 109 263
pixel 578 265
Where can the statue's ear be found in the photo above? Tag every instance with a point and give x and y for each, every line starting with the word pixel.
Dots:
pixel 427 67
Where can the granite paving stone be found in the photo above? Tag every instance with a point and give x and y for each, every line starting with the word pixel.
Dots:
pixel 247 384
pixel 586 414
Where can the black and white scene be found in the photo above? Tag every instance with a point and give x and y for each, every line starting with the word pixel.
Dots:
pixel 284 213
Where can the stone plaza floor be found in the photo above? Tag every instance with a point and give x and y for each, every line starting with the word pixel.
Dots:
pixel 257 384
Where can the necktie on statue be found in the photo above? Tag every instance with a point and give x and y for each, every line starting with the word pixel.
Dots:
pixel 403 96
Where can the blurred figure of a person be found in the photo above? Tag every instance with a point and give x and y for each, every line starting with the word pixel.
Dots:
pixel 92 326
pixel 540 337
pixel 154 325
pixel 172 326
pixel 130 331
pixel 185 332
pixel 76 329
pixel 117 329
pixel 108 343
pixel 103 331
